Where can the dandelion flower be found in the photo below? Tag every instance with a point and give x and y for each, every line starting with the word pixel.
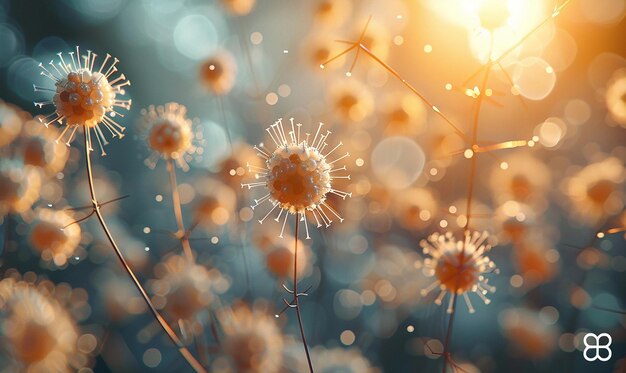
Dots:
pixel 459 267
pixel 298 175
pixel 54 236
pixel 594 191
pixel 169 134
pixel 252 341
pixel 39 334
pixel 85 96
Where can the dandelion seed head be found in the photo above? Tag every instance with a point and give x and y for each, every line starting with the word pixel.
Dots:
pixel 298 174
pixel 459 267
pixel 299 177
pixel 169 134
pixel 85 95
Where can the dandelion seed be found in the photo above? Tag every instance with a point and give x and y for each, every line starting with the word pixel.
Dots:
pixel 458 266
pixel 86 96
pixel 298 174
pixel 169 134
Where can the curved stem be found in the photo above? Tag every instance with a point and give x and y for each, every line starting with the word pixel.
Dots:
pixel 178 213
pixel 295 294
pixel 96 206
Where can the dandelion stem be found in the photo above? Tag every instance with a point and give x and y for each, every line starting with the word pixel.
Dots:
pixel 182 232
pixel 296 295
pixel 195 365
pixel 470 195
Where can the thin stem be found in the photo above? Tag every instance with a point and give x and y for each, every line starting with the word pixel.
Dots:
pixel 295 294
pixel 446 345
pixel 195 365
pixel 220 101
pixel 178 213
pixel 470 195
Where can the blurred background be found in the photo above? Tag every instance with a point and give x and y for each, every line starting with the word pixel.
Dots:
pixel 554 211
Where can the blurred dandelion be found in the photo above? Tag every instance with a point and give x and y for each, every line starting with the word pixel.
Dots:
pixel 186 288
pixel 218 72
pixel 530 333
pixel 39 148
pixel 215 205
pixel 594 190
pixel 40 333
pixel 10 123
pixel 85 97
pixel 20 186
pixel 169 134
pixel 54 235
pixel 238 7
pixel 252 342
pixel 459 267
pixel 338 359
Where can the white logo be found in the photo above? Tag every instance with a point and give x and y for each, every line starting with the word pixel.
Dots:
pixel 593 347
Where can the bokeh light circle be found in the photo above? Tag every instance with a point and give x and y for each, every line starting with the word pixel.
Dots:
pixel 195 36
pixel 398 162
pixel 12 43
pixel 534 78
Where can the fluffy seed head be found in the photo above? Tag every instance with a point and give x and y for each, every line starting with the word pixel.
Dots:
pixel 458 266
pixel 169 133
pixel 298 174
pixel 85 95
